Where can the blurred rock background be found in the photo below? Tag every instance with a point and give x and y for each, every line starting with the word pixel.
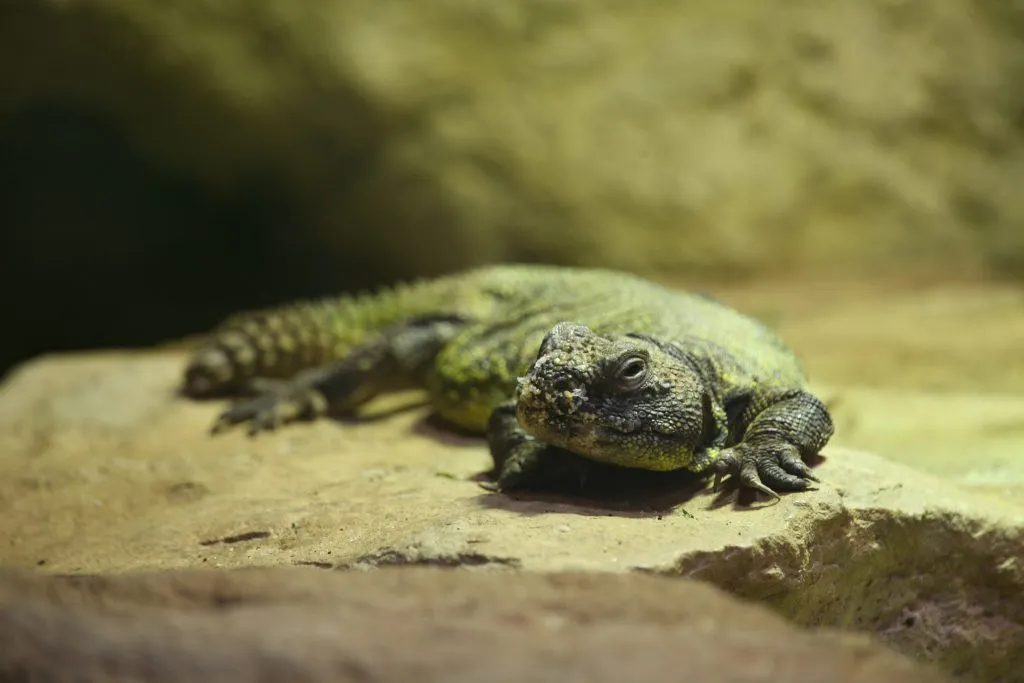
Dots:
pixel 164 164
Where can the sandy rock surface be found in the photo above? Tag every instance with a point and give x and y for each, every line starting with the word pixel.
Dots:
pixel 106 470
pixel 927 374
pixel 405 624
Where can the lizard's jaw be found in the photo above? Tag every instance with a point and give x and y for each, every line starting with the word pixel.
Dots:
pixel 562 419
pixel 618 438
pixel 569 434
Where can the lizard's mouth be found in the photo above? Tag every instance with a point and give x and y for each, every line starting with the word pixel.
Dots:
pixel 541 421
pixel 626 441
pixel 549 424
pixel 563 417
pixel 578 432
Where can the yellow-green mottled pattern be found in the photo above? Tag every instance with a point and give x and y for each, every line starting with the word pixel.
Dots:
pixel 509 309
pixel 478 369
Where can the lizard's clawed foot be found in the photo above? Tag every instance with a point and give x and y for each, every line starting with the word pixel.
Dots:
pixel 273 408
pixel 765 467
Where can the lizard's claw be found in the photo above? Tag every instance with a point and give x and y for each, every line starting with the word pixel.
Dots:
pixel 764 467
pixel 273 409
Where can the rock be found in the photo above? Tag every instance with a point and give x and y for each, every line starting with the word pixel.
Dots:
pixel 889 357
pixel 106 470
pixel 413 624
pixel 687 136
pixel 935 337
pixel 978 450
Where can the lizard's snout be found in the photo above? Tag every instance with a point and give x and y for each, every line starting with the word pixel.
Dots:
pixel 561 396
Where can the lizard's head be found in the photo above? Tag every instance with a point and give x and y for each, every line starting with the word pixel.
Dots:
pixel 616 399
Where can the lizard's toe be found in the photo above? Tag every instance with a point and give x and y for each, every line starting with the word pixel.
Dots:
pixel 243 411
pixel 766 469
pixel 750 476
pixel 793 464
pixel 271 410
pixel 271 418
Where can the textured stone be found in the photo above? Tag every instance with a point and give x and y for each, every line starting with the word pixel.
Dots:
pixel 665 136
pixel 413 624
pixel 106 470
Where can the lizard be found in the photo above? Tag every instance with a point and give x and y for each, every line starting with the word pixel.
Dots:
pixel 556 366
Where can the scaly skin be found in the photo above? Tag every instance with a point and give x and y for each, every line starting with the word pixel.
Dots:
pixel 559 367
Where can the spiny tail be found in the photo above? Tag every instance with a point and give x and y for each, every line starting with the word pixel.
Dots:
pixel 277 343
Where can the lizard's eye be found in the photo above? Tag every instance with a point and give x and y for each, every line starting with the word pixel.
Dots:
pixel 631 372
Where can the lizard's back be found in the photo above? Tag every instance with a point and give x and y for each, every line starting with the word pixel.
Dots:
pixel 513 307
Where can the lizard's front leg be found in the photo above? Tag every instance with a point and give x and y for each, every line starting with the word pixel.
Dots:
pixel 523 462
pixel 783 430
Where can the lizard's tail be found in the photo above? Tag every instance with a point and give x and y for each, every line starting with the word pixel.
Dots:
pixel 280 342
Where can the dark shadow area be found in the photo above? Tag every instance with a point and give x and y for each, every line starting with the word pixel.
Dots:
pixel 607 492
pixel 602 490
pixel 610 490
pixel 627 493
pixel 101 248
